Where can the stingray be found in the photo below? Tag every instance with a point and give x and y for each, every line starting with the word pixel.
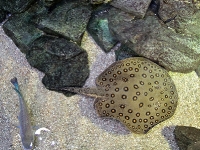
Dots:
pixel 136 91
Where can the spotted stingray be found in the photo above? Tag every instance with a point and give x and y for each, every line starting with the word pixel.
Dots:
pixel 135 91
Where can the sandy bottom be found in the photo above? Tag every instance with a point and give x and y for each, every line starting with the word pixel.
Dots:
pixel 73 122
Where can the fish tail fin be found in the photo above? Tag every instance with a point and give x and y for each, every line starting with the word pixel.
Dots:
pixel 15 83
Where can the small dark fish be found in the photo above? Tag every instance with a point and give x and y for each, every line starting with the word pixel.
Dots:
pixel 170 19
pixel 154 7
pixel 25 127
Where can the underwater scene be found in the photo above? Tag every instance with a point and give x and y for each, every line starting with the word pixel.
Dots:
pixel 100 75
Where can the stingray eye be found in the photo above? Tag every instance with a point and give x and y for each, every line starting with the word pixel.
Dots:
pixel 97 103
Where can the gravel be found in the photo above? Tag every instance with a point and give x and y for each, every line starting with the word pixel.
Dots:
pixel 72 121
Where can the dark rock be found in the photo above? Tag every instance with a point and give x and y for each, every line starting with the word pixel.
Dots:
pixel 180 15
pixel 99 29
pixel 186 137
pixel 64 63
pixel 20 28
pixel 194 146
pixel 151 38
pixel 69 20
pixel 124 52
pixel 167 10
pixel 16 6
pixel 135 7
pixel 50 3
pixel 97 1
pixel 2 15
pixel 198 71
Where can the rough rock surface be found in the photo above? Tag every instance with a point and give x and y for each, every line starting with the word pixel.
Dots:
pixel 149 37
pixel 184 16
pixel 16 6
pixel 198 71
pixel 69 19
pixel 172 40
pixel 2 15
pixel 99 29
pixel 135 7
pixel 187 138
pixel 124 52
pixel 20 28
pixel 64 63
pixel 194 146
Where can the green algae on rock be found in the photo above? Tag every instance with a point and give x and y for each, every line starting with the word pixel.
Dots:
pixel 135 91
pixel 69 19
pixel 16 6
pixel 99 29
pixel 63 62
pixel 20 28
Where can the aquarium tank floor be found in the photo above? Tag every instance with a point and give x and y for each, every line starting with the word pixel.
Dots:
pixel 72 121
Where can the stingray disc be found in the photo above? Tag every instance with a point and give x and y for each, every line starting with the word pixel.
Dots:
pixel 138 92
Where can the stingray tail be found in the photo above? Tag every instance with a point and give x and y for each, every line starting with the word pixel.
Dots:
pixel 92 92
